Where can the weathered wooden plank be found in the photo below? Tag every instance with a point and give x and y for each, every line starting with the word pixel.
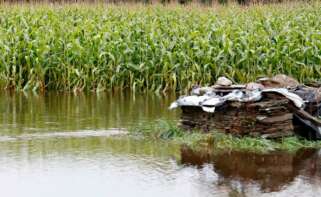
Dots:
pixel 241 118
pixel 274 119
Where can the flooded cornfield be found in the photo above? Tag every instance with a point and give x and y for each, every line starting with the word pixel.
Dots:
pixel 65 145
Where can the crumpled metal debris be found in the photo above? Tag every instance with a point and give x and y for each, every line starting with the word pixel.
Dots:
pixel 297 100
pixel 207 98
pixel 189 101
pixel 213 100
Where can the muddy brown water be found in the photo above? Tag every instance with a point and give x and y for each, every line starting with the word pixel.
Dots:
pixel 66 145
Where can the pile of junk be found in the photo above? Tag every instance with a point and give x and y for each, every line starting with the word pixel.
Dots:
pixel 270 107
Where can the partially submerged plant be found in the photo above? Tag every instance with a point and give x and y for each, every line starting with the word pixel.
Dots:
pixel 165 130
pixel 159 129
pixel 223 141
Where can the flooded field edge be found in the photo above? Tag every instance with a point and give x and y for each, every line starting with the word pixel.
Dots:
pixel 52 140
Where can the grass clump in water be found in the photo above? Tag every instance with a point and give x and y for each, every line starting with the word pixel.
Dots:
pixel 226 141
pixel 165 130
pixel 160 129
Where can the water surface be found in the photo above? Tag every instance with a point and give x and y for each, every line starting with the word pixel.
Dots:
pixel 67 145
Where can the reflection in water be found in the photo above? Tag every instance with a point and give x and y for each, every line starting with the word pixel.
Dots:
pixel 271 172
pixel 59 111
pixel 121 166
pixel 63 145
pixel 94 166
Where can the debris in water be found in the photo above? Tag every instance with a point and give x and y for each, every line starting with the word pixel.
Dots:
pixel 271 107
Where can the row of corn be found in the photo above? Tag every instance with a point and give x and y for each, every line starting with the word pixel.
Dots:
pixel 97 48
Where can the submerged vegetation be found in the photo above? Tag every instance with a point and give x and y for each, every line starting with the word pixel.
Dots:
pixel 94 48
pixel 219 141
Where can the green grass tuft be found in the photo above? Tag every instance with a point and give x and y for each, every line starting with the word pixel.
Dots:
pixel 164 130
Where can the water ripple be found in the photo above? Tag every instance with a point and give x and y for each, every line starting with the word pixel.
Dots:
pixel 66 134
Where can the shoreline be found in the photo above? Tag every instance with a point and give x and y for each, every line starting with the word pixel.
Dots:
pixel 167 131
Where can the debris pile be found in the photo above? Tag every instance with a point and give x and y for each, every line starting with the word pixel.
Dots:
pixel 270 107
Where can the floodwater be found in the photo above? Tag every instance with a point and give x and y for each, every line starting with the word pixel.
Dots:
pixel 66 145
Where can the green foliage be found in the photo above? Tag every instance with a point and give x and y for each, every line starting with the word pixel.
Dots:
pixel 223 142
pixel 76 48
pixel 223 2
pixel 160 129
pixel 218 141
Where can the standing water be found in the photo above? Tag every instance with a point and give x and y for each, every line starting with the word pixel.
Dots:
pixel 66 145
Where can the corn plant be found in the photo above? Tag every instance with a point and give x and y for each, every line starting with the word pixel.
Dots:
pixel 97 48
